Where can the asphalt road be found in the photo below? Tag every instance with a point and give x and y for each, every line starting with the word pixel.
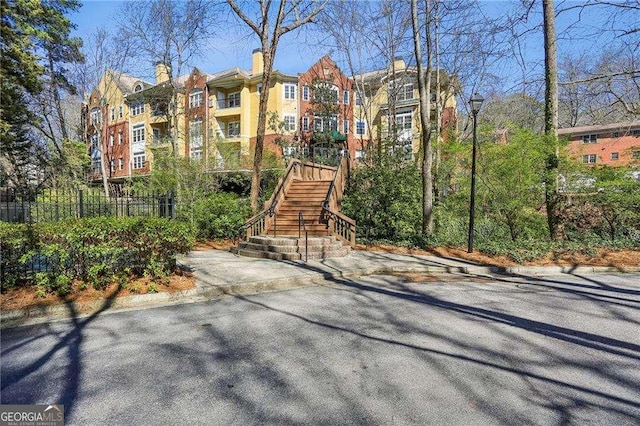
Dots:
pixel 376 350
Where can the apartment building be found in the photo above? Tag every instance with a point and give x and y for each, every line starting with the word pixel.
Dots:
pixel 214 117
pixel 615 145
pixel 198 115
pixel 387 107
pixel 326 111
pixel 105 119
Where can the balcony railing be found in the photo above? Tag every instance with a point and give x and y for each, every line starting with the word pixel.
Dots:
pixel 227 103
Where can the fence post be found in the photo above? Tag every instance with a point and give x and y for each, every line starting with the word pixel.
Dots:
pixel 81 201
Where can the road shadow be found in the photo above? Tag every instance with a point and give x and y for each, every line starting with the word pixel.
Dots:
pixel 25 381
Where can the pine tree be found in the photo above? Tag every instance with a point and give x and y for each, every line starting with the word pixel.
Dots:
pixel 32 34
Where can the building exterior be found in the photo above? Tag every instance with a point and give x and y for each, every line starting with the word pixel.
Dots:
pixel 326 112
pixel 105 120
pixel 387 107
pixel 615 145
pixel 214 117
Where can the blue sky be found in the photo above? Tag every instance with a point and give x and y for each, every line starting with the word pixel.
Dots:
pixel 233 49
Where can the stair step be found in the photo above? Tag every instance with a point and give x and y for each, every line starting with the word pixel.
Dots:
pixel 291 248
pixel 313 248
pixel 265 255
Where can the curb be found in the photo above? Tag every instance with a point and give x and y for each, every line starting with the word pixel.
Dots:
pixel 41 314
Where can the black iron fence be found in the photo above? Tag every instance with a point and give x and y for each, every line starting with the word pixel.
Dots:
pixel 55 205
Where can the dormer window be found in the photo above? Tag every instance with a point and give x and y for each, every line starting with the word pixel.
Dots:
pixel 138 88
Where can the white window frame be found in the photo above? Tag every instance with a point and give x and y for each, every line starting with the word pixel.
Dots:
pixel 138 134
pixel 592 138
pixel 113 114
pixel 358 99
pixel 112 165
pixel 233 100
pixel 290 91
pixel 120 138
pixel 305 123
pixel 137 108
pixel 590 159
pixel 139 159
pixel 235 125
pixel 195 98
pixel 195 138
pixel 319 123
pixel 305 93
pixel 615 155
pixel 120 163
pixel 96 116
pixel 289 122
pixel 361 127
pixel 111 139
pixel 120 111
pixel 345 97
pixel 405 92
pixel 345 126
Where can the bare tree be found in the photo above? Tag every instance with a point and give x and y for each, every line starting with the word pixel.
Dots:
pixel 106 60
pixel 171 34
pixel 550 70
pixel 270 25
pixel 424 67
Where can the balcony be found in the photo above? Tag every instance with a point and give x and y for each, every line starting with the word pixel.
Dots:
pixel 402 136
pixel 227 107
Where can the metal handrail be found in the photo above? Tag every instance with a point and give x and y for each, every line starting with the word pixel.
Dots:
pixel 302 225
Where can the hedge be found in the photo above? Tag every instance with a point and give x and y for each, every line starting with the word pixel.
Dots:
pixel 95 250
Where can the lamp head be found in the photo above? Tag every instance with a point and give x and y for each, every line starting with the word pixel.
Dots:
pixel 476 102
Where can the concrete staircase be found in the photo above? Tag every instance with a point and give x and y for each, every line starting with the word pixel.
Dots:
pixel 306 197
pixel 291 248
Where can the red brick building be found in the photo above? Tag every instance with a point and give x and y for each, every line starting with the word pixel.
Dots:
pixel 326 106
pixel 613 145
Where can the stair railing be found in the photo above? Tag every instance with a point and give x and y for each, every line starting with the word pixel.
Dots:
pixel 301 225
pixel 338 224
pixel 258 224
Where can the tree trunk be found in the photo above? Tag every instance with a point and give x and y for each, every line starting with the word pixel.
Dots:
pixel 552 198
pixel 424 90
pixel 267 55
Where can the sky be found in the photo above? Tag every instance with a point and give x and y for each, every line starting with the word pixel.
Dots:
pixel 231 51
pixel 234 48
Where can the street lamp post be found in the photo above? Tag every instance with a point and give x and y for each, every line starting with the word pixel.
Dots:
pixel 475 102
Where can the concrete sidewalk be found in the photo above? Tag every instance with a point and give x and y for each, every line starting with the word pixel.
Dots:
pixel 220 272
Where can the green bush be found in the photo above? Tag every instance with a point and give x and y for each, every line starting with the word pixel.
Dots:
pixel 385 201
pixel 96 250
pixel 221 215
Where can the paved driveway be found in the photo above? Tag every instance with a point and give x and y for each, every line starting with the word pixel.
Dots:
pixel 376 350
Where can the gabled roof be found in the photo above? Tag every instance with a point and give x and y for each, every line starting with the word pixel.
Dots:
pixel 126 82
pixel 599 128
